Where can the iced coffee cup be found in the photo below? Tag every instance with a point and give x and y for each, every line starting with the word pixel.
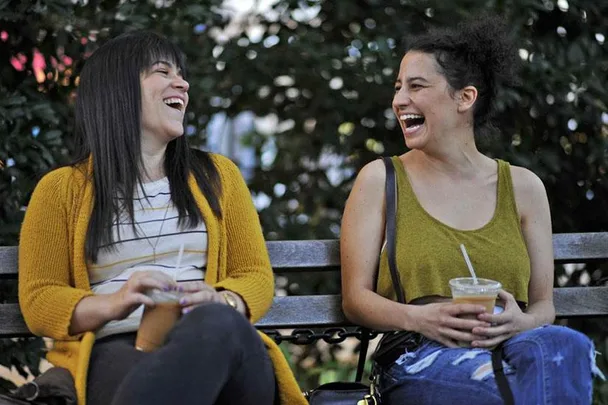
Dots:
pixel 466 291
pixel 157 321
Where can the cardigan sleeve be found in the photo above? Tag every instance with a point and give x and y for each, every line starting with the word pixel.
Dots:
pixel 46 294
pixel 248 271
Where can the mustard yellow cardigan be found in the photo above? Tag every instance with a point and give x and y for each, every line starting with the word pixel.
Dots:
pixel 53 275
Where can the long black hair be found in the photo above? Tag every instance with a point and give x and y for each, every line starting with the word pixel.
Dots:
pixel 477 52
pixel 108 129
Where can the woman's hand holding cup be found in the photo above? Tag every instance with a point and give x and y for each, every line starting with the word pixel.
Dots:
pixel 449 323
pixel 504 325
pixel 133 293
pixel 196 293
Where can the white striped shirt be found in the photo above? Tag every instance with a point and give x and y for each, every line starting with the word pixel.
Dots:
pixel 156 230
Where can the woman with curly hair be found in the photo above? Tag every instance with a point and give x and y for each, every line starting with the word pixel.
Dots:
pixel 449 194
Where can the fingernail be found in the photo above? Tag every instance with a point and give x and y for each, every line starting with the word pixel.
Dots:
pixel 167 288
pixel 182 301
pixel 185 311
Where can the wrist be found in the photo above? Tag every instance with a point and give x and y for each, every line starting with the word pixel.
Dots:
pixel 109 306
pixel 90 313
pixel 530 321
pixel 410 322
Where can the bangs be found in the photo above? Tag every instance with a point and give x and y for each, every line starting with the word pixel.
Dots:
pixel 162 53
pixel 149 48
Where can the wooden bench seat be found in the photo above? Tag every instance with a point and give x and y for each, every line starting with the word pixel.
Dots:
pixel 324 311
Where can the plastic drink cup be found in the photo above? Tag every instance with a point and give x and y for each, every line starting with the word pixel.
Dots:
pixel 157 321
pixel 465 291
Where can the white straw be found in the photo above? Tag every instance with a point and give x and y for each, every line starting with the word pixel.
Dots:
pixel 179 260
pixel 469 265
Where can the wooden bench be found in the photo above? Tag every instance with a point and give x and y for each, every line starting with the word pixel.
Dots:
pixel 307 312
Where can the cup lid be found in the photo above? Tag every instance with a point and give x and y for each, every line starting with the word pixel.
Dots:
pixel 163 296
pixel 467 284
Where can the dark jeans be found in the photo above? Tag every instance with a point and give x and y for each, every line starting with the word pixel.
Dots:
pixel 212 356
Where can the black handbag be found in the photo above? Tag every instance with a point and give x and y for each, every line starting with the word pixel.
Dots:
pixel 356 393
pixel 393 344
pixel 343 393
pixel 53 387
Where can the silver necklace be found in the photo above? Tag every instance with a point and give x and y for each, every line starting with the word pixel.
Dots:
pixel 162 224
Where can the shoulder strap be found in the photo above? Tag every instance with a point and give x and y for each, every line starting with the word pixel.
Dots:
pixel 499 374
pixel 362 353
pixel 391 227
pixel 391 212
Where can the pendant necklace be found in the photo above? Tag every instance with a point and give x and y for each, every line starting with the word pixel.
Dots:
pixel 162 224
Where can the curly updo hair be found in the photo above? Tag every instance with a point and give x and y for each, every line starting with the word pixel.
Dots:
pixel 477 52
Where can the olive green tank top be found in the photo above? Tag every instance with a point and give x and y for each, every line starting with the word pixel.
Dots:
pixel 428 251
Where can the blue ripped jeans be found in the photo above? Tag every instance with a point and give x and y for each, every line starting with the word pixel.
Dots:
pixel 548 365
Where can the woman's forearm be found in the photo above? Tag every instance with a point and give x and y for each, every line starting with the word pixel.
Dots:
pixel 91 313
pixel 376 312
pixel 540 313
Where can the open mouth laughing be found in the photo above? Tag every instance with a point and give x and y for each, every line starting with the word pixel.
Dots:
pixel 412 122
pixel 175 102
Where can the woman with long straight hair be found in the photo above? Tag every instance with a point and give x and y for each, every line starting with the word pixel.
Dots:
pixel 141 212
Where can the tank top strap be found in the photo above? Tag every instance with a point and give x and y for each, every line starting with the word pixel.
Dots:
pixel 506 207
pixel 406 197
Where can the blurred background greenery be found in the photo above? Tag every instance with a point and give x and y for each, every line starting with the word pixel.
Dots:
pixel 298 93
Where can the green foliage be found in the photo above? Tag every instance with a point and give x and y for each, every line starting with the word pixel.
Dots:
pixel 324 71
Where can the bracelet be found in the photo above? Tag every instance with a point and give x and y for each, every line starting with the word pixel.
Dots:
pixel 230 299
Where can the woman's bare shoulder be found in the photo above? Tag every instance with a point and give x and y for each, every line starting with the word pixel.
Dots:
pixel 530 194
pixel 526 181
pixel 372 172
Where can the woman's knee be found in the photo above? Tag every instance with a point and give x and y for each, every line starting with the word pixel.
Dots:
pixel 561 336
pixel 549 342
pixel 216 322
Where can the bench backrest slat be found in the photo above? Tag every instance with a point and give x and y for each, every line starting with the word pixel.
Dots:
pixel 325 254
pixel 577 247
pixel 326 310
pixel 8 261
pixel 304 254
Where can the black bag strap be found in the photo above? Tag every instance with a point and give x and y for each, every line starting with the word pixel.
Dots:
pixel 362 353
pixel 499 375
pixel 390 187
pixel 391 227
